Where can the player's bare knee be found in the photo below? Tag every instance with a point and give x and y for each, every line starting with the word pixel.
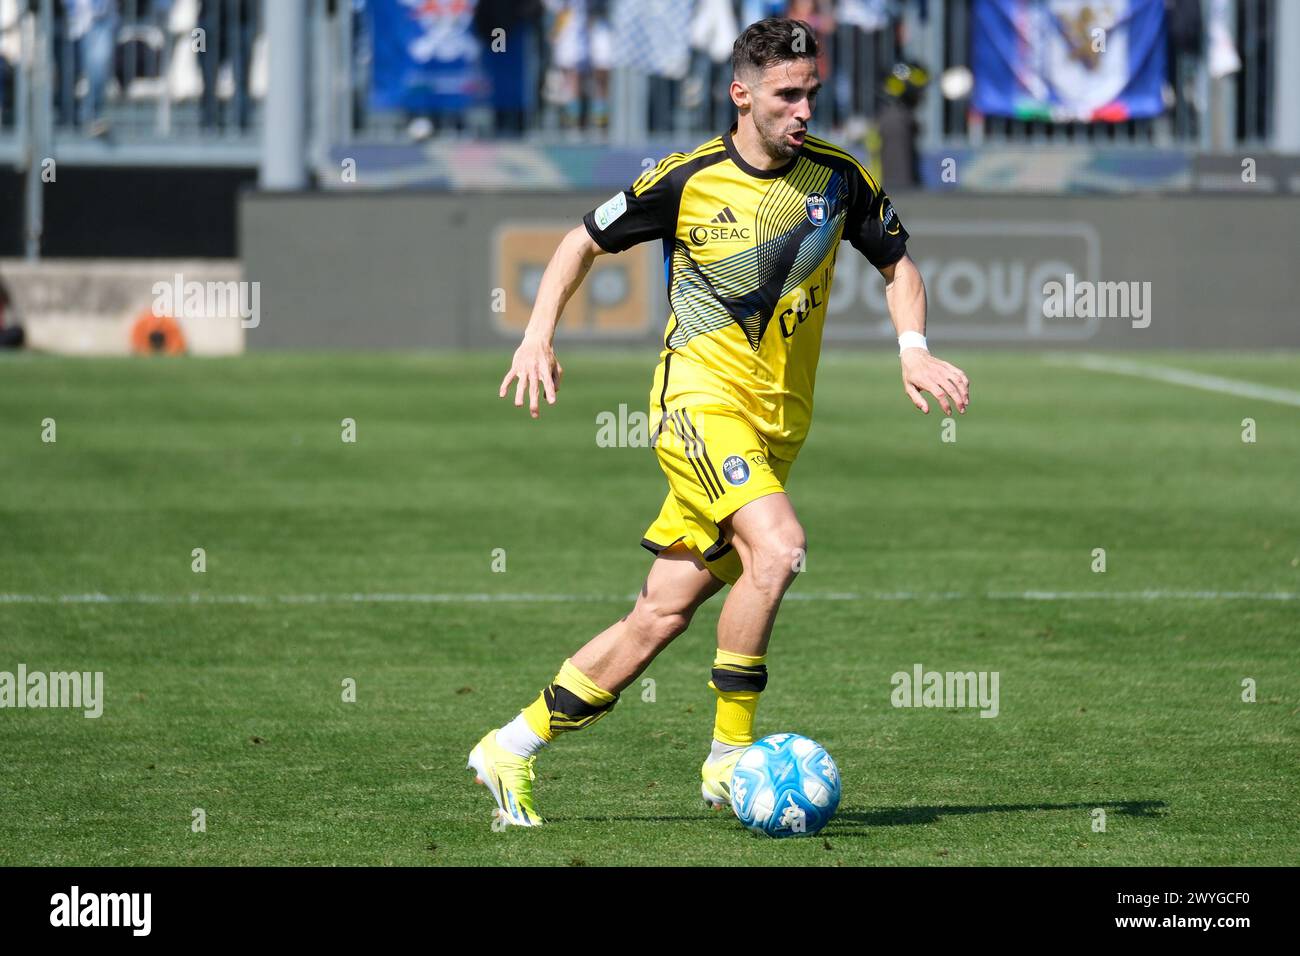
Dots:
pixel 773 562
pixel 656 624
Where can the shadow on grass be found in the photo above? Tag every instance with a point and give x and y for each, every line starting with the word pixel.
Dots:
pixel 846 820
pixel 913 816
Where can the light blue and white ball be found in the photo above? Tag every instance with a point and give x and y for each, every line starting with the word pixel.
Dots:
pixel 785 785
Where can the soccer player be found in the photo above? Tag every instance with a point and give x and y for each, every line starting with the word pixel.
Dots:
pixel 751 223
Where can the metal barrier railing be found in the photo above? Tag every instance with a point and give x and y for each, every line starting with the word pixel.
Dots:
pixel 136 69
pixel 182 81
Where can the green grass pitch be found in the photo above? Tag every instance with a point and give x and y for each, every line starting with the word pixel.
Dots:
pixel 1119 690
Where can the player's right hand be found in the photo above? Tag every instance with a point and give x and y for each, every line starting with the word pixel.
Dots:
pixel 534 362
pixel 945 381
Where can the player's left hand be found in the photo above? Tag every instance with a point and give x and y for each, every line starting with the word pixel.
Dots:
pixel 536 366
pixel 946 382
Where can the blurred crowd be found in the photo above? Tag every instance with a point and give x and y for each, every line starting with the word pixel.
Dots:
pixel 207 51
pixel 684 47
pixel 146 50
pixel 557 75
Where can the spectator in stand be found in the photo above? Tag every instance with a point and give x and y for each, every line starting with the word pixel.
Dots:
pixel 507 70
pixel 751 11
pixel 10 51
pixel 92 31
pixel 818 15
pixel 229 27
pixel 901 91
pixel 582 47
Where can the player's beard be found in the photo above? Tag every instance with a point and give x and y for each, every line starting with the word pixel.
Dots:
pixel 774 139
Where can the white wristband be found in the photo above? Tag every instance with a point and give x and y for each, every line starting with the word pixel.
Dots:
pixel 911 340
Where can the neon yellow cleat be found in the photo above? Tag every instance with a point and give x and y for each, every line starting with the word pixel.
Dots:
pixel 716 776
pixel 509 778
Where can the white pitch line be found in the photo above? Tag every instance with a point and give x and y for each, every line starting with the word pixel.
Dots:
pixel 509 598
pixel 1176 376
pixel 264 599
pixel 1150 595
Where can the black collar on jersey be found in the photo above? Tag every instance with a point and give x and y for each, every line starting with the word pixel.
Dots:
pixel 751 170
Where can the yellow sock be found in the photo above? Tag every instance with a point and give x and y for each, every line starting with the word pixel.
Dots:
pixel 738 679
pixel 570 702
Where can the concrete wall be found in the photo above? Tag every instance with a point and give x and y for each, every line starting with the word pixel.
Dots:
pixel 90 307
pixel 421 270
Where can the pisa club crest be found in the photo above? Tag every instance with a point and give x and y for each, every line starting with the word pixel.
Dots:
pixel 817 208
pixel 735 470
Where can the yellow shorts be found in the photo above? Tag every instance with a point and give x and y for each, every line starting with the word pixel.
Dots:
pixel 715 463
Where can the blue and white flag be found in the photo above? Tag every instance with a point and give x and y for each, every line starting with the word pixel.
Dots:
pixel 426 57
pixel 1069 60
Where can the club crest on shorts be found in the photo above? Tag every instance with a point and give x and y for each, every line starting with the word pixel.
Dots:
pixel 816 206
pixel 735 470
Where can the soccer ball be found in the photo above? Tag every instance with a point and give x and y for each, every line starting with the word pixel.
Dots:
pixel 785 785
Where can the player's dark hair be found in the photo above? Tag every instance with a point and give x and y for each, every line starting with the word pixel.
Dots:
pixel 774 40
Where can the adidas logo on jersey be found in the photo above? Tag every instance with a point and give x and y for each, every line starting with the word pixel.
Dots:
pixel 722 226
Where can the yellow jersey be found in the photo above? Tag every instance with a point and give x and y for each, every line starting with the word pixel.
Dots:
pixel 749 255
